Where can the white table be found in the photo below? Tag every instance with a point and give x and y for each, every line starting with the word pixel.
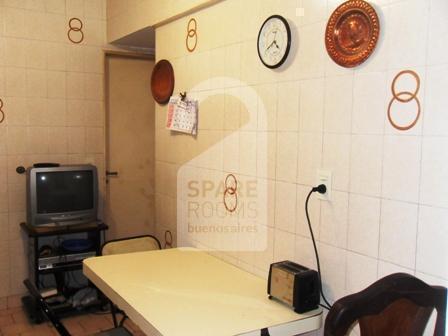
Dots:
pixel 189 292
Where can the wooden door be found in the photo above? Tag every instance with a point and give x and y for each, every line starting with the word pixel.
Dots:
pixel 129 208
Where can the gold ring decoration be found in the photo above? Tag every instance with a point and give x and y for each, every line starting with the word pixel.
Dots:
pixel 389 116
pixel 230 190
pixel 411 95
pixel 168 239
pixel 191 35
pixel 404 97
pixel 2 117
pixel 75 29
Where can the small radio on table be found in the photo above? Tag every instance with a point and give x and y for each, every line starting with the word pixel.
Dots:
pixel 295 285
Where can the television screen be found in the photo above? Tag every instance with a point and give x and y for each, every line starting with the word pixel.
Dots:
pixel 64 191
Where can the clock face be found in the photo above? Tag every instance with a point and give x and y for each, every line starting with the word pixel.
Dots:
pixel 274 41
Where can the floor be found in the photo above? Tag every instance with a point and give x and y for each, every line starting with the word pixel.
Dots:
pixel 14 322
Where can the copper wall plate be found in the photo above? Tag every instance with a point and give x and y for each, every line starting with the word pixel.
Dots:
pixel 352 33
pixel 162 81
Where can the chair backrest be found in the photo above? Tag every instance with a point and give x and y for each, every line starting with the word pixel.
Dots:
pixel 396 305
pixel 46 309
pixel 130 245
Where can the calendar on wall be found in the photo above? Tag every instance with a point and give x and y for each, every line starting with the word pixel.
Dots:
pixel 182 115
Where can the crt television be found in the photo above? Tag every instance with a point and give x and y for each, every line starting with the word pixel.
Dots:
pixel 62 195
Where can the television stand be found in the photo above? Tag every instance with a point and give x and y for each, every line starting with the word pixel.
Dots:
pixel 59 261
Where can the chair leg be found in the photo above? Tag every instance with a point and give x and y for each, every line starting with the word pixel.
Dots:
pixel 122 320
pixel 113 311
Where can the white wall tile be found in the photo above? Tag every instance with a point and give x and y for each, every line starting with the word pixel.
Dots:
pixel 334 220
pixel 93 9
pixel 369 103
pixel 266 154
pixel 55 6
pixel 365 164
pixel 361 272
pixel 288 106
pixel 310 157
pixel 56 56
pixel 431 280
pixel 438 27
pixel 363 225
pixel 267 110
pixel 287 152
pixel 17 111
pixel 333 262
pixel 74 7
pixel 15 52
pixel 401 168
pixel 435 118
pixel 313 11
pixel 434 175
pixel 75 85
pixel 432 250
pixel 284 243
pixel 314 206
pixel 304 252
pixel 311 105
pixel 56 28
pixel 285 206
pixel 398 233
pixel 336 158
pixel 338 104
pixel 386 268
pixel 74 58
pixel 264 258
pixel 311 50
pixel 249 58
pixel 56 86
pixel 248 152
pixel 416 21
pixel 15 82
pixel 14 21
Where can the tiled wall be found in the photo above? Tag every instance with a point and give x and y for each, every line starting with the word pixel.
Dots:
pixel 127 16
pixel 389 208
pixel 53 100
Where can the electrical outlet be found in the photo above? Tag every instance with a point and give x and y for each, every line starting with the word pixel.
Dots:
pixel 324 177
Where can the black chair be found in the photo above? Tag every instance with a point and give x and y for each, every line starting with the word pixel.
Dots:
pixel 120 331
pixel 396 305
pixel 128 245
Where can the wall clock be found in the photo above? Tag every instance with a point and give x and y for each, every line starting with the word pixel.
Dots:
pixel 274 41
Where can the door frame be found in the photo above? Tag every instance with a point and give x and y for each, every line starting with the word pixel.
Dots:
pixel 107 55
pixel 114 54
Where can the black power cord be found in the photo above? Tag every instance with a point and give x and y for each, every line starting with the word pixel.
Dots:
pixel 321 189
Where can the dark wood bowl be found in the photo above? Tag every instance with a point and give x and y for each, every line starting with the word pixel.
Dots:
pixel 162 81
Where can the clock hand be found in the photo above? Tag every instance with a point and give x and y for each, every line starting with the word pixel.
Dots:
pixel 275 42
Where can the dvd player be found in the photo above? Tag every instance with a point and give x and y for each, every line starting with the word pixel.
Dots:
pixel 56 261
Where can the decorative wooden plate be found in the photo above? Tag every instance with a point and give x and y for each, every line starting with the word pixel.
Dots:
pixel 352 33
pixel 162 81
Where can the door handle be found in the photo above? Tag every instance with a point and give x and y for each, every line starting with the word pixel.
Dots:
pixel 111 173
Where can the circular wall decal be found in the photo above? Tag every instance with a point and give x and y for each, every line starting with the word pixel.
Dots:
pixel 191 40
pixel 75 27
pixel 404 97
pixel 230 197
pixel 352 33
